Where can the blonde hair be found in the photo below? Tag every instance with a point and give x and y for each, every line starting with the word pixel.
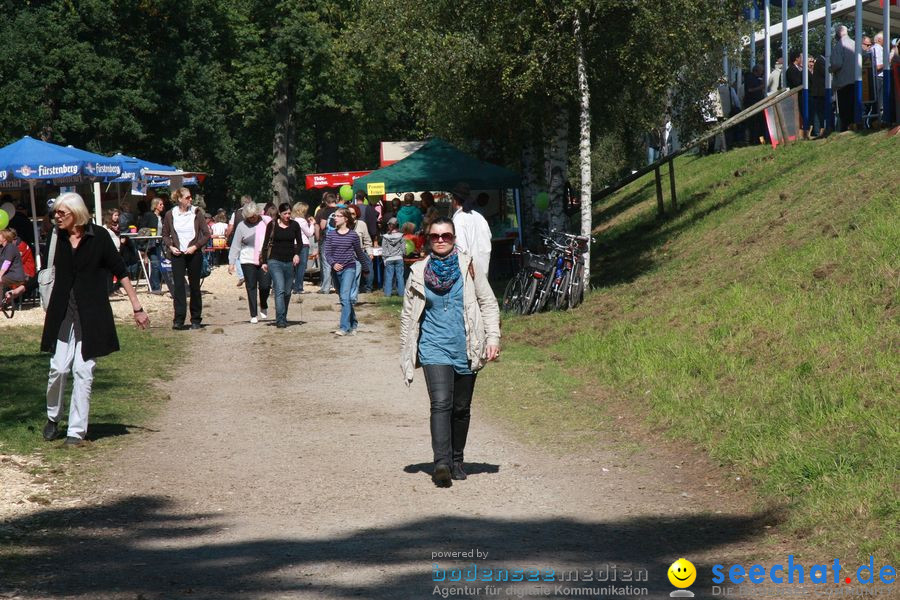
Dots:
pixel 251 209
pixel 74 203
pixel 177 194
pixel 8 234
pixel 301 209
pixel 155 202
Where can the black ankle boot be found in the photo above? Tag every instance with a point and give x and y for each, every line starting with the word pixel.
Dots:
pixel 457 472
pixel 441 476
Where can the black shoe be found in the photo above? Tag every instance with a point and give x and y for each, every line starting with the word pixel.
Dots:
pixel 50 431
pixel 281 325
pixel 73 442
pixel 179 326
pixel 441 476
pixel 196 326
pixel 457 472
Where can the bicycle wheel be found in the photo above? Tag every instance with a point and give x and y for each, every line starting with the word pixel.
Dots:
pixel 543 293
pixel 561 295
pixel 576 293
pixel 512 296
pixel 529 298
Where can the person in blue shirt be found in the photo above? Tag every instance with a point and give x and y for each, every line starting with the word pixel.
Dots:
pixel 450 326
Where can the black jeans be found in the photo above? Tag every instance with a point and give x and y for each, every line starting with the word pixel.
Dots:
pixel 451 399
pixel 847 105
pixel 255 277
pixel 190 264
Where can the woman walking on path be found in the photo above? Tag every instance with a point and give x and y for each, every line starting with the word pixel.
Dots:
pixel 450 325
pixel 359 226
pixel 308 230
pixel 246 246
pixel 281 254
pixel 342 251
pixel 79 326
pixel 185 234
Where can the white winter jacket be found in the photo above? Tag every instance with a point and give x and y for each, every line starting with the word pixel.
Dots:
pixel 482 316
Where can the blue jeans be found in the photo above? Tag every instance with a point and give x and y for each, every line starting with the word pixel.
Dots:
pixel 155 274
pixel 393 274
pixel 354 288
pixel 282 273
pixel 348 316
pixel 370 277
pixel 300 270
pixel 324 269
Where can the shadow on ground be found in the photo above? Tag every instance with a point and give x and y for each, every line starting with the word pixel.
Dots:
pixel 142 547
pixel 472 468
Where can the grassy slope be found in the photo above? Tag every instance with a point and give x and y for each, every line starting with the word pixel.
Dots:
pixel 123 395
pixel 760 322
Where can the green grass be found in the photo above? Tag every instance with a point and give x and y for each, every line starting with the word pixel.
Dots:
pixel 123 396
pixel 761 321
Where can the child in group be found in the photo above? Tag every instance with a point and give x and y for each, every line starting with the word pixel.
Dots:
pixel 392 248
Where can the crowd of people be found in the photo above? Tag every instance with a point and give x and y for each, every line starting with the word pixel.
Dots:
pixel 450 322
pixel 731 97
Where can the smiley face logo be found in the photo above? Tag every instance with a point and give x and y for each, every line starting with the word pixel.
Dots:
pixel 682 573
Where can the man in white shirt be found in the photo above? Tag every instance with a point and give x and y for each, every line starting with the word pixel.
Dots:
pixel 473 234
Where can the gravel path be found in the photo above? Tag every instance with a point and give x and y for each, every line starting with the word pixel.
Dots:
pixel 295 464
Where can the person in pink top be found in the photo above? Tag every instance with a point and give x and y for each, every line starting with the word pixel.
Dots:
pixel 246 247
pixel 300 213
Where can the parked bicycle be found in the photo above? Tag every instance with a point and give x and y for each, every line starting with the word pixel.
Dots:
pixel 558 274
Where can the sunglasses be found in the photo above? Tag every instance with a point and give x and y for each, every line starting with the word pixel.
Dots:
pixel 446 238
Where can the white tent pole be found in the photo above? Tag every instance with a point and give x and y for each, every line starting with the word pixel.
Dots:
pixel 805 65
pixel 98 210
pixel 768 37
pixel 37 239
pixel 784 42
pixel 857 109
pixel 829 107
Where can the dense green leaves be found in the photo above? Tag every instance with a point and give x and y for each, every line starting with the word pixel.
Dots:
pixel 233 87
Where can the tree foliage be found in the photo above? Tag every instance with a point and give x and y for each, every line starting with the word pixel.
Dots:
pixel 211 84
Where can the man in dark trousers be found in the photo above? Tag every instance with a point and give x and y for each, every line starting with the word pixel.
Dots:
pixel 368 215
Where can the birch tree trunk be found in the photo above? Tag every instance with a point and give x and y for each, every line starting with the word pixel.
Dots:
pixel 530 215
pixel 282 159
pixel 584 93
pixel 556 163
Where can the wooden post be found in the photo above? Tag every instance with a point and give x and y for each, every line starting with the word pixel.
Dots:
pixel 660 207
pixel 672 184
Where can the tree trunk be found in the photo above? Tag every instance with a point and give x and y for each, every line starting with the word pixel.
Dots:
pixel 281 146
pixel 556 164
pixel 530 215
pixel 584 93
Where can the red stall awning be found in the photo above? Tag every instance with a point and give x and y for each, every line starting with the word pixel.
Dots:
pixel 330 180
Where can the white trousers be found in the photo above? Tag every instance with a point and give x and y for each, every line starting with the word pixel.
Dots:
pixel 68 356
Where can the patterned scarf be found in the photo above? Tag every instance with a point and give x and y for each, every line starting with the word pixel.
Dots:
pixel 441 272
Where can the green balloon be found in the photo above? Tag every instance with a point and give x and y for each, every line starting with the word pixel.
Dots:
pixel 4 219
pixel 542 201
pixel 410 247
pixel 346 193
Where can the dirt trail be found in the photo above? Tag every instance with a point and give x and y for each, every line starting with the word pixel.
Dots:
pixel 294 464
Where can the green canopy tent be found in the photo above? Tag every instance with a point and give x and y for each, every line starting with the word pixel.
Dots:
pixel 438 165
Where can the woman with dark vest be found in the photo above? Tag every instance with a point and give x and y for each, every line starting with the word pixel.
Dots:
pixel 184 235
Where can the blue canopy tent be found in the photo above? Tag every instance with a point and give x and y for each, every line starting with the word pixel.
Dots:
pixel 29 161
pixel 139 172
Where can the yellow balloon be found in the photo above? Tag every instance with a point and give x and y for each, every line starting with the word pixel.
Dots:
pixel 4 219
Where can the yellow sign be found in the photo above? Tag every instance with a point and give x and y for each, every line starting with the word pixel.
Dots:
pixel 375 189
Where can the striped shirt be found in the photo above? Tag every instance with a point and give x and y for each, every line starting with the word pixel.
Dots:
pixel 343 248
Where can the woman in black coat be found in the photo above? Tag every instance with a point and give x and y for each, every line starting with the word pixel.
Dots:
pixel 79 326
